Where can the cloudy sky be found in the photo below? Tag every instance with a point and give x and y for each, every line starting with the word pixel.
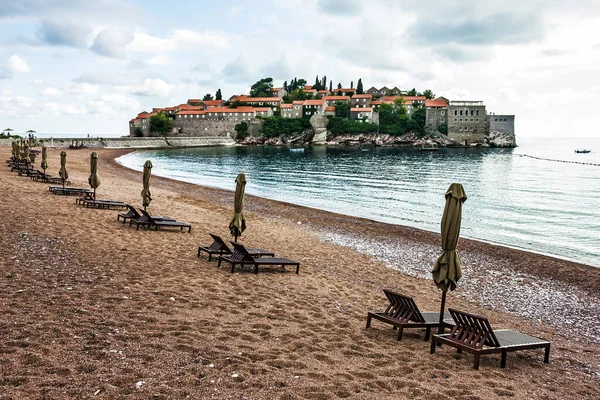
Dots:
pixel 78 66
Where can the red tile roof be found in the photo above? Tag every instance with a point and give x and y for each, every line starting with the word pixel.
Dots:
pixel 362 96
pixel 190 108
pixel 275 89
pixel 298 102
pixel 336 98
pixel 309 90
pixel 260 99
pixel 436 103
pixel 307 87
pixel 191 112
pixel 376 102
pixel 323 91
pixel 361 110
pixel 262 109
pixel 212 103
pixel 314 102
pixel 194 100
pixel 331 108
pixel 287 105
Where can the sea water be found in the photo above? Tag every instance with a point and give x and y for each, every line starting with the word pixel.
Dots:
pixel 550 207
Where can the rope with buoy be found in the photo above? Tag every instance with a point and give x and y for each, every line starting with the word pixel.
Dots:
pixel 562 161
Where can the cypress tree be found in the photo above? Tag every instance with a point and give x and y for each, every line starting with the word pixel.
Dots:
pixel 359 87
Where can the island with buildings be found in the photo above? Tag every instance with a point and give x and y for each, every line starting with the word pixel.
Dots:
pixel 298 113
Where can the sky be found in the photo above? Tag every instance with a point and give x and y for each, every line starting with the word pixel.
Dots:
pixel 78 66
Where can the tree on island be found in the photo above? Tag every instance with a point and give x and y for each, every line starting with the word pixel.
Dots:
pixel 207 96
pixel 429 95
pixel 285 86
pixel 330 86
pixel 262 88
pixel 351 84
pixel 359 87
pixel 218 95
pixel 160 124
pixel 339 85
pixel 342 109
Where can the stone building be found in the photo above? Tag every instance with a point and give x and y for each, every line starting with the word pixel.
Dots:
pixel 272 102
pixel 206 104
pixel 141 122
pixel 287 111
pixel 314 107
pixel 361 113
pixel 502 123
pixel 343 92
pixel 436 113
pixel 467 121
pixel 278 92
pixel 335 99
pixel 361 101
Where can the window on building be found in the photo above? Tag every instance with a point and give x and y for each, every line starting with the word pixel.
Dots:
pixel 476 119
pixel 460 119
pixel 477 112
pixel 443 113
pixel 455 112
pixel 454 119
pixel 461 112
pixel 495 119
pixel 179 116
pixel 471 112
pixel 460 128
pixel 441 119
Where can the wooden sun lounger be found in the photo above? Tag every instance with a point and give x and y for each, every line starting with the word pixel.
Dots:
pixel 103 204
pixel 402 312
pixel 474 334
pixel 68 191
pixel 58 180
pixel 132 214
pixel 148 220
pixel 241 257
pixel 219 247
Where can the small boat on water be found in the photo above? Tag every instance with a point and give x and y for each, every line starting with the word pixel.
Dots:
pixel 297 149
pixel 429 148
pixel 584 151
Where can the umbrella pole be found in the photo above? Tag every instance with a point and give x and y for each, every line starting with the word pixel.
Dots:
pixel 235 236
pixel 94 193
pixel 441 326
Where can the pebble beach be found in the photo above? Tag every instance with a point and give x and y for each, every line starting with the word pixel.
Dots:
pixel 91 308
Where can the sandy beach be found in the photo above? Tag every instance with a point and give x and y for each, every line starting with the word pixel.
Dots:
pixel 91 308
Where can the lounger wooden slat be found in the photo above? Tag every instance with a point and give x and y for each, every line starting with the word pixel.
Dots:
pixel 149 221
pixel 241 257
pixel 103 204
pixel 220 248
pixel 402 312
pixel 474 334
pixel 133 214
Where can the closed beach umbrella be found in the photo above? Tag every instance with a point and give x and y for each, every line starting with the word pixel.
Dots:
pixel 15 148
pixel 146 199
pixel 94 179
pixel 26 154
pixel 447 271
pixel 238 222
pixel 64 174
pixel 44 164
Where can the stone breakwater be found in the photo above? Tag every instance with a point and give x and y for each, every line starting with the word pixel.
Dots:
pixel 133 143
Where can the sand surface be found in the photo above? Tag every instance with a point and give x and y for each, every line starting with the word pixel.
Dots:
pixel 90 308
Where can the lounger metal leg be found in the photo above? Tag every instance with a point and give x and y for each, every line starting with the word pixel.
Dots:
pixel 400 331
pixel 209 256
pixel 547 355
pixel 256 268
pixel 219 263
pixel 427 334
pixel 232 267
pixel 298 268
pixel 368 321
pixel 476 361
pixel 503 359
pixel 433 346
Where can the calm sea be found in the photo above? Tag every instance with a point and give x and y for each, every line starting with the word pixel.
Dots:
pixel 543 206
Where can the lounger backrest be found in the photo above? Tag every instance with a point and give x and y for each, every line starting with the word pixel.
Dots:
pixel 240 253
pixel 218 244
pixel 402 307
pixel 472 330
pixel 133 212
pixel 148 216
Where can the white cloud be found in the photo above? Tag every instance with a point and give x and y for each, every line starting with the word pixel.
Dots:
pixel 17 64
pixel 178 39
pixel 50 91
pixel 81 88
pixel 111 42
pixel 151 87
pixel 160 59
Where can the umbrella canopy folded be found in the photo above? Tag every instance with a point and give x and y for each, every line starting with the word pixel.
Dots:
pixel 26 154
pixel 94 179
pixel 237 225
pixel 146 198
pixel 44 164
pixel 447 269
pixel 64 174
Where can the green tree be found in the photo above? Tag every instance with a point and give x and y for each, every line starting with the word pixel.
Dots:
pixel 339 85
pixel 160 124
pixel 412 92
pixel 351 84
pixel 218 95
pixel 418 118
pixel 429 95
pixel 242 130
pixel 285 86
pixel 443 129
pixel 330 86
pixel 317 84
pixel 300 83
pixel 262 88
pixel 207 96
pixel 359 87
pixel 138 132
pixel 342 109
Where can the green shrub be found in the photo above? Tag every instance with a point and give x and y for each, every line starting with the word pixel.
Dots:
pixel 242 130
pixel 340 126
pixel 278 126
pixel 138 132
